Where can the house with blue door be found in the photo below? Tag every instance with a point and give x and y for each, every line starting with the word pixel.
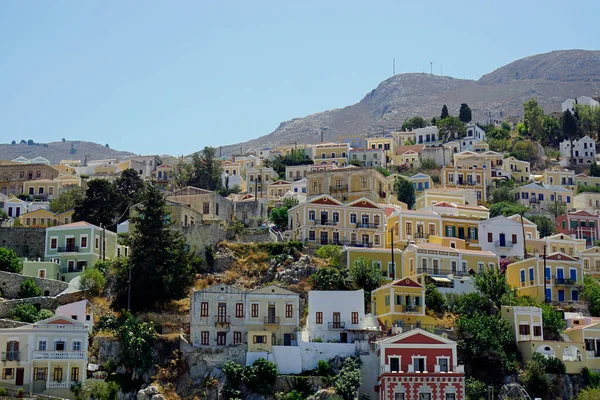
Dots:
pixel 421 182
pixel 558 282
pixel 544 196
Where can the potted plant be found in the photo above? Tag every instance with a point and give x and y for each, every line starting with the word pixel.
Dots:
pixel 20 393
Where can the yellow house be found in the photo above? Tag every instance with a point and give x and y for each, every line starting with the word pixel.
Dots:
pixel 273 314
pixel 382 259
pixel 163 176
pixel 411 159
pixel 385 143
pixel 409 225
pixel 400 302
pixel 451 195
pixel 421 182
pixel 279 188
pixel 563 177
pixel 41 188
pixel 231 168
pixel 68 181
pixel 585 334
pixel 558 283
pixel 543 196
pixel 331 152
pixel 591 261
pixel 527 325
pixel 64 169
pixel 519 170
pixel 349 184
pixel 481 147
pixel 325 220
pixel 44 218
pixel 563 243
pixel 473 178
pixel 585 180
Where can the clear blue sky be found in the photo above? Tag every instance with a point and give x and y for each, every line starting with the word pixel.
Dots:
pixel 156 77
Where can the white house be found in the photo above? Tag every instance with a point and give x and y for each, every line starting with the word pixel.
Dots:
pixel 78 311
pixel 584 151
pixel 14 207
pixel 369 157
pixel 502 236
pixel 474 135
pixel 427 135
pixel 338 316
pixel 569 104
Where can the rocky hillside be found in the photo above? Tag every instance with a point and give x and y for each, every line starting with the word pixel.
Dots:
pixel 551 77
pixel 56 151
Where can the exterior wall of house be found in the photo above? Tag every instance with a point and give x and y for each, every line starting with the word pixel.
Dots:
pixel 325 220
pixel 501 236
pixel 348 184
pixel 559 283
pixel 421 182
pixel 41 269
pixel 587 201
pixel 536 196
pixel 591 261
pixel 337 316
pixel 559 177
pixel 412 225
pixel 580 225
pixel 474 178
pixel 401 301
pixel 430 197
pixel 382 259
pixel 78 246
pixel 330 152
pixel 14 175
pixel 209 204
pixel 519 170
pixel 370 157
pixel 45 189
pixel 45 218
pixel 296 172
pixel 584 150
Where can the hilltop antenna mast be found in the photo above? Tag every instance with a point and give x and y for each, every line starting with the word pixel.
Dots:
pixel 431 67
pixel 441 69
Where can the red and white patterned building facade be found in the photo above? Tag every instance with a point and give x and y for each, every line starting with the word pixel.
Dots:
pixel 418 365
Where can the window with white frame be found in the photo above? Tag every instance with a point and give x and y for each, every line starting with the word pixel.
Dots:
pixel 311 215
pixel 394 364
pixel 480 267
pixel 419 364
pixel 443 363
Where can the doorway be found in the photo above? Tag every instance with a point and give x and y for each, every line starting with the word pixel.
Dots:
pixel 20 376
pixel 343 337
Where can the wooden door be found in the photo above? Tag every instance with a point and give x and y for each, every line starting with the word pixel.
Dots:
pixel 20 376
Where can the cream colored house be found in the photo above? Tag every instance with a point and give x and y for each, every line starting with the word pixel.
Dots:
pixel 349 184
pixel 259 179
pixel 279 188
pixel 411 159
pixel 467 178
pixel 519 170
pixel 587 201
pixel 563 177
pixel 325 220
pixel 452 195
pixel 330 152
pixel 45 357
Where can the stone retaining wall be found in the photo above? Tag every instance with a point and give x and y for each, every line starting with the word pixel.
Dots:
pixel 10 283
pixel 26 242
pixel 50 303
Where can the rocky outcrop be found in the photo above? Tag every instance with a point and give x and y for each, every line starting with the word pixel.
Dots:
pixel 285 269
pixel 150 393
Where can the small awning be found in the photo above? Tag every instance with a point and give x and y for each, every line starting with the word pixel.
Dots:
pixel 441 280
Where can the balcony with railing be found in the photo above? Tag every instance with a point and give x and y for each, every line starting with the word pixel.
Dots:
pixel 58 355
pixel 11 356
pixel 506 243
pixel 222 319
pixel 58 385
pixel 336 325
pixel 565 281
pixel 407 308
pixel 67 270
pixel 338 188
pixel 272 320
pixel 366 225
pixel 325 222
pixel 533 200
pixel 68 249
pixel 441 271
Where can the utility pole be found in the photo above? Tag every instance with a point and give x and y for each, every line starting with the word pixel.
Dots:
pixel 524 244
pixel 545 277
pixel 103 242
pixel 393 274
pixel 129 286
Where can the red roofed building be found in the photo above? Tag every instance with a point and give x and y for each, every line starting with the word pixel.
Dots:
pixel 418 365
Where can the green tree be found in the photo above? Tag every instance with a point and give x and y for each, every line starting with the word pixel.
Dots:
pixel 595 170
pixel 9 261
pixel 136 339
pixel 349 379
pixel 451 128
pixel 464 114
pixel 552 321
pixel 544 225
pixel 161 262
pixel 26 312
pixel 524 151
pixel 130 188
pixel 475 389
pixel 433 121
pixel 503 193
pixel 571 130
pixel 207 170
pixel 13 142
pixel 365 275
pixel 486 346
pixel 506 209
pixel 182 174
pixel 294 157
pixel 589 394
pixel 535 379
pixel 92 280
pixel 98 390
pixel 67 200
pixel 100 204
pixel 260 376
pixel 279 215
pixel 493 286
pixel 591 294
pixel 434 300
pixel 552 131
pixel 405 191
pixel 589 118
pixel 414 123
pixel 332 253
pixel 29 289
pixel 444 114
pixel 328 278
pixel 533 119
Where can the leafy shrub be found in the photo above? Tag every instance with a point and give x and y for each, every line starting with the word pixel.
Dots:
pixel 28 313
pixel 3 391
pixel 329 278
pixel 92 280
pixel 9 261
pixel 589 394
pixel 590 378
pixel 535 380
pixel 233 372
pixel 429 163
pixel 383 171
pixel 260 376
pixel 475 389
pixel 434 299
pixel 551 365
pixel 349 379
pixel 99 390
pixel 29 289
pixel 293 395
pixel 324 369
pixel 107 322
pixel 331 252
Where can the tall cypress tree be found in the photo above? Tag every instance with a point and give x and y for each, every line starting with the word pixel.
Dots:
pixel 161 264
pixel 465 113
pixel 444 112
